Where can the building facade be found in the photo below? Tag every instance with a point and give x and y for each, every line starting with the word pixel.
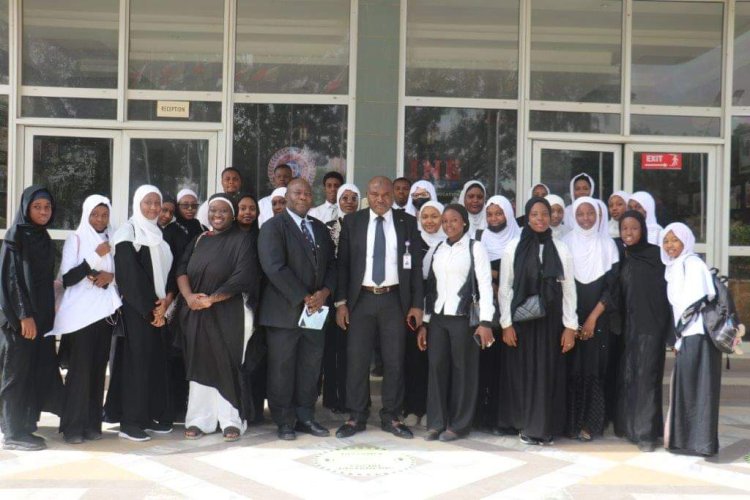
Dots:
pixel 105 95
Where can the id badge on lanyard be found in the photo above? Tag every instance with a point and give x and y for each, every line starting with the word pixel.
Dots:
pixel 407 256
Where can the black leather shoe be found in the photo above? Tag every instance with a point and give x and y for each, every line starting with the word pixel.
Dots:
pixel 448 435
pixel 92 435
pixel 73 438
pixel 432 435
pixel 312 427
pixel 286 432
pixel 398 429
pixel 349 429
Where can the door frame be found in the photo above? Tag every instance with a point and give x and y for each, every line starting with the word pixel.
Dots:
pixel 712 248
pixel 604 147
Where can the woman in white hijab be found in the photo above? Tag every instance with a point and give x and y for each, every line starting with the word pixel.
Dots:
pixel 276 205
pixel 617 205
pixel 558 227
pixel 502 228
pixel 644 203
pixel 693 417
pixel 595 260
pixel 539 190
pixel 581 184
pixel 472 197
pixel 348 198
pixel 420 193
pixel 90 299
pixel 137 394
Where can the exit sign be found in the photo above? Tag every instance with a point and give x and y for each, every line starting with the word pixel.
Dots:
pixel 661 161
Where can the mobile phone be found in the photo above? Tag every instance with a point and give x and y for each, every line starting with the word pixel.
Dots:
pixel 477 339
pixel 411 322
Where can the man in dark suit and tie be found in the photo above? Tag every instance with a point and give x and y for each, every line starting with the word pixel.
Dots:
pixel 297 256
pixel 379 292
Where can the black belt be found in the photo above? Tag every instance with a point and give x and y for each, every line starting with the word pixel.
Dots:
pixel 380 290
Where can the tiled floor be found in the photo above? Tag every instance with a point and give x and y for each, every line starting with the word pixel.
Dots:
pixel 377 465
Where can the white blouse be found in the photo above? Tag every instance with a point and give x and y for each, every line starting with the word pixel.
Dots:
pixel 505 291
pixel 451 265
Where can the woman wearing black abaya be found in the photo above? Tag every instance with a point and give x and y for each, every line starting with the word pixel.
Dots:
pixel 642 300
pixel 532 361
pixel 595 264
pixel 693 418
pixel 138 393
pixel 29 378
pixel 216 269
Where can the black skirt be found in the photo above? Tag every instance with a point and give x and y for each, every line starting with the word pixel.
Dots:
pixel 693 418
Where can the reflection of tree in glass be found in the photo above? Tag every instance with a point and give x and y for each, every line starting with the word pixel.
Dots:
pixel 260 130
pixel 482 141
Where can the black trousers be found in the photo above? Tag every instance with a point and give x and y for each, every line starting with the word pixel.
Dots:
pixel 376 317
pixel 334 368
pixel 29 382
pixel 88 351
pixel 295 356
pixel 453 374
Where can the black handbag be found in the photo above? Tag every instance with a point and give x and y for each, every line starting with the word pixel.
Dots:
pixel 474 306
pixel 117 322
pixel 530 309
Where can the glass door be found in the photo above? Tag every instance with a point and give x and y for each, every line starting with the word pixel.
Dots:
pixel 72 164
pixel 682 180
pixel 555 164
pixel 170 161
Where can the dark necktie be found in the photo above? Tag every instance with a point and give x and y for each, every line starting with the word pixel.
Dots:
pixel 378 253
pixel 308 236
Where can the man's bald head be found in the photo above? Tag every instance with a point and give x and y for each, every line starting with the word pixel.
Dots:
pixel 380 194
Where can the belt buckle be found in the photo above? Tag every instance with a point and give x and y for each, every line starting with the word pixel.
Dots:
pixel 378 290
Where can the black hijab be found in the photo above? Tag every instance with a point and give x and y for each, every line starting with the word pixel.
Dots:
pixel 530 275
pixel 27 262
pixel 254 226
pixel 462 212
pixel 643 250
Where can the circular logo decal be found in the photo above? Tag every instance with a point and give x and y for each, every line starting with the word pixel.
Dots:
pixel 364 461
pixel 300 160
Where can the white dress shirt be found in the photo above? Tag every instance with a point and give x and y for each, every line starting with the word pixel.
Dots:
pixel 325 212
pixel 451 265
pixel 298 221
pixel 505 291
pixel 391 251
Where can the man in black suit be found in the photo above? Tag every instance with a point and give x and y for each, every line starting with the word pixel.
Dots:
pixel 379 292
pixel 297 256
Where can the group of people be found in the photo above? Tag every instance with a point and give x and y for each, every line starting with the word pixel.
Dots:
pixel 550 324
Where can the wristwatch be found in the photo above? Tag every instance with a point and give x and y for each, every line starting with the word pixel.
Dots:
pixel 339 303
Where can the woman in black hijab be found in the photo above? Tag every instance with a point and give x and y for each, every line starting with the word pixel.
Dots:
pixel 29 378
pixel 645 309
pixel 532 373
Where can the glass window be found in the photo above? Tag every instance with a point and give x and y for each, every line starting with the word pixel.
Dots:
pixel 176 45
pixel 310 138
pixel 3 161
pixel 462 48
pixel 169 164
pixel 739 283
pixel 72 168
pixel 449 146
pixel 697 126
pixel 292 46
pixel 680 195
pixel 559 121
pixel 71 43
pixel 741 95
pixel 576 50
pixel 199 111
pixel 68 107
pixel 739 195
pixel 4 41
pixel 677 53
pixel 558 166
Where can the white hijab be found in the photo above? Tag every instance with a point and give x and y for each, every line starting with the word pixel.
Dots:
pixel 561 229
pixel 614 225
pixel 343 189
pixel 647 202
pixel 495 243
pixel 593 252
pixel 141 232
pixel 683 290
pixel 84 303
pixel 187 192
pixel 433 239
pixel 603 213
pixel 569 213
pixel 531 189
pixel 410 208
pixel 478 220
pixel 265 205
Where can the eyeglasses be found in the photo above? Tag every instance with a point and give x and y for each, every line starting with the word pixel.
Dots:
pixel 189 206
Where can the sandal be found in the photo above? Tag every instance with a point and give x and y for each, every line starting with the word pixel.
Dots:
pixel 193 433
pixel 231 434
pixel 584 436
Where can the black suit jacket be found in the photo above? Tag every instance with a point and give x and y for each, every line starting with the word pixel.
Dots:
pixel 292 270
pixel 353 252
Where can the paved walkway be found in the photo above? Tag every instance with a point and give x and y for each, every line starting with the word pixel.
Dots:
pixel 377 465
